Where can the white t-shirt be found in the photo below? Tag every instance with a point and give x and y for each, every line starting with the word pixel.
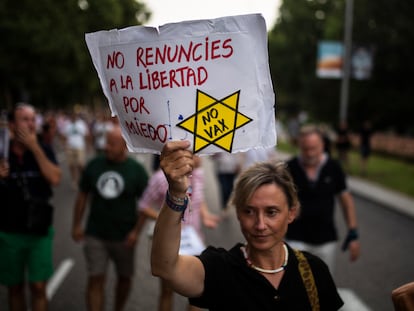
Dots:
pixel 76 133
pixel 257 155
pixel 100 130
pixel 227 163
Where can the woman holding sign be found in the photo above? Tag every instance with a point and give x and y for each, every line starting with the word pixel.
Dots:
pixel 191 235
pixel 262 274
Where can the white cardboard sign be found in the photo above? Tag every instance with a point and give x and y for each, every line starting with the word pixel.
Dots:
pixel 206 81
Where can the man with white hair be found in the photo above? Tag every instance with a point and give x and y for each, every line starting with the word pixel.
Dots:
pixel 320 180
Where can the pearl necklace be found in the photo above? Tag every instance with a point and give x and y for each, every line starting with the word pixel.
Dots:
pixel 281 268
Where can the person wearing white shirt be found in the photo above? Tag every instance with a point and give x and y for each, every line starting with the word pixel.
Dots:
pixel 76 132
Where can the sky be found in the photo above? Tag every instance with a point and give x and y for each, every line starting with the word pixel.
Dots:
pixel 167 11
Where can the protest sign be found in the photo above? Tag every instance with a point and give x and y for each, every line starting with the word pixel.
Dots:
pixel 190 242
pixel 206 81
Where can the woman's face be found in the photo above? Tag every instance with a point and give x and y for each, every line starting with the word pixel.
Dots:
pixel 265 218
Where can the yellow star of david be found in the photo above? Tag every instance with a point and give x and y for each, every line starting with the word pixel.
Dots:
pixel 215 121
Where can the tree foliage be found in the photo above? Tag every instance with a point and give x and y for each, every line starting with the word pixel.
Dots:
pixel 388 26
pixel 44 57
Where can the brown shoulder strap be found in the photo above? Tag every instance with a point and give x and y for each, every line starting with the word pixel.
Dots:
pixel 308 280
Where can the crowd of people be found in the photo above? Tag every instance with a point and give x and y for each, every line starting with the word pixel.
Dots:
pixel 285 210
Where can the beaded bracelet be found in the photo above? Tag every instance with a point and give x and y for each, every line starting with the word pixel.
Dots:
pixel 176 204
pixel 177 200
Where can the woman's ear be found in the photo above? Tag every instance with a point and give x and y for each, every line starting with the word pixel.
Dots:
pixel 293 213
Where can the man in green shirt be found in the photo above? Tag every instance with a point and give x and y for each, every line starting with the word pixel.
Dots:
pixel 113 182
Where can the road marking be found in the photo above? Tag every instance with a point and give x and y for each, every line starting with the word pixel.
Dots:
pixel 58 277
pixel 351 301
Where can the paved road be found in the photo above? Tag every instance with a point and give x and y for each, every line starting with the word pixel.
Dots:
pixel 387 255
pixel 385 264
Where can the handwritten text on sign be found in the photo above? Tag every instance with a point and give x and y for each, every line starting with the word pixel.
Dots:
pixel 206 81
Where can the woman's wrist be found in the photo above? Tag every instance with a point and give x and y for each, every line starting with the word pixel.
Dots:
pixel 177 203
pixel 177 197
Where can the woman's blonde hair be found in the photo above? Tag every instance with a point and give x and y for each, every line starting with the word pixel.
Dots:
pixel 264 173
